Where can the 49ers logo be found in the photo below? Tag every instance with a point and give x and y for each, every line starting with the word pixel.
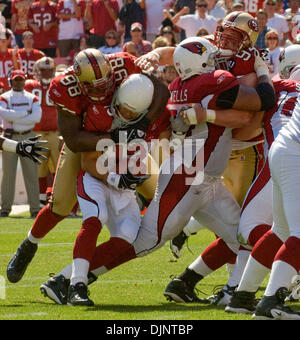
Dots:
pixel 195 47
pixel 253 25
pixel 76 68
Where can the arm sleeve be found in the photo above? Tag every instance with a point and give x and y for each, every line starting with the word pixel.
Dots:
pixel 32 118
pixel 227 98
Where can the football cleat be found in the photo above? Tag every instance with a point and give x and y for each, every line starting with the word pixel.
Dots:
pixel 78 295
pixel 17 266
pixel 223 296
pixel 177 243
pixel 294 290
pixel 179 291
pixel 242 302
pixel 273 307
pixel 56 289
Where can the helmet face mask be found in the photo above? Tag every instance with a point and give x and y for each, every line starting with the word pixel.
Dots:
pixel 289 58
pixel 94 74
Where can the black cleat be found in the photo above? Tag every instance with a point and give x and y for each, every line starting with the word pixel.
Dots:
pixel 18 264
pixel 179 291
pixel 177 243
pixel 273 307
pixel 78 295
pixel 242 302
pixel 56 289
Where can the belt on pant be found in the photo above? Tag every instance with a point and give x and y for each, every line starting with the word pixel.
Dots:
pixel 21 132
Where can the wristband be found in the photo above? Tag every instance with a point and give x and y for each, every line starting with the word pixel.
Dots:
pixel 9 145
pixel 210 116
pixel 191 116
pixel 113 179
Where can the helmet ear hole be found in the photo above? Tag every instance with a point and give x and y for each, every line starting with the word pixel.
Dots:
pixel 204 65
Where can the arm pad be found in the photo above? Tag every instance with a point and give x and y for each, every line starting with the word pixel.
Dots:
pixel 267 96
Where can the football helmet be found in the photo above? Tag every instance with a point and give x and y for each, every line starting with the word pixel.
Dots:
pixel 44 70
pixel 288 59
pixel 135 94
pixel 295 73
pixel 242 23
pixel 194 55
pixel 94 74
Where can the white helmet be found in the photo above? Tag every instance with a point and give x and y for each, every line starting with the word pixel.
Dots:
pixel 295 73
pixel 193 56
pixel 288 59
pixel 135 94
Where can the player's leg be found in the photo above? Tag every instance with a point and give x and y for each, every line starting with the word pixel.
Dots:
pixel 59 207
pixel 284 164
pixel 221 216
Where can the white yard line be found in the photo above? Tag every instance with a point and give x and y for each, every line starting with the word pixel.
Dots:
pixel 12 316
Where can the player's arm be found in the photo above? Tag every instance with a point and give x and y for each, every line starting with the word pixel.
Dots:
pixel 159 56
pixel 75 137
pixel 252 130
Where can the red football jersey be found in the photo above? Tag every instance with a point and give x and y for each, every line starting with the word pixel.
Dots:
pixel 287 92
pixel 27 60
pixel 253 6
pixel 41 17
pixel 65 92
pixel 49 112
pixel 6 64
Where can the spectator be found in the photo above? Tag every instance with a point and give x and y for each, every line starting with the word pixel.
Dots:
pixel 70 26
pixel 169 73
pixel 131 11
pixel 43 22
pixel 178 6
pixel 191 22
pixel 168 33
pixel 8 59
pixel 276 21
pixel 160 41
pixel 293 8
pixel 101 16
pixel 19 129
pixel 272 42
pixel 5 9
pixel 19 20
pixel 238 5
pixel 279 7
pixel 112 43
pixel 215 10
pixel 137 46
pixel 154 17
pixel 262 19
pixel 202 32
pixel 28 55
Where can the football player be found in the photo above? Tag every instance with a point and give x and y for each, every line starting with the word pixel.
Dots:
pixel 44 71
pixel 257 209
pixel 235 38
pixel 178 194
pixel 92 79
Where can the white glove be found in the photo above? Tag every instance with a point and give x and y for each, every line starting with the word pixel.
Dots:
pixel 148 62
pixel 260 66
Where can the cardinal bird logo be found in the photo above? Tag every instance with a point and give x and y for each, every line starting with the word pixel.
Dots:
pixel 195 47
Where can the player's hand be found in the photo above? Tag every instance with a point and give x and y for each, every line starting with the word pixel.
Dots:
pixel 179 125
pixel 31 148
pixel 193 115
pixel 260 66
pixel 126 181
pixel 148 62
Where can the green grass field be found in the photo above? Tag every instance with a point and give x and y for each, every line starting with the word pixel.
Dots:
pixel 133 291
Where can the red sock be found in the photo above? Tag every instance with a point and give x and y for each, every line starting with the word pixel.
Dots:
pixel 217 254
pixel 75 208
pixel 289 252
pixel 257 233
pixel 266 248
pixel 45 221
pixel 112 254
pixel 86 241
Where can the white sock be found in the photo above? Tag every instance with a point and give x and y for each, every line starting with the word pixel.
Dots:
pixel 33 239
pixel 200 267
pixel 192 227
pixel 66 272
pixel 80 269
pixel 281 276
pixel 239 268
pixel 253 276
pixel 230 269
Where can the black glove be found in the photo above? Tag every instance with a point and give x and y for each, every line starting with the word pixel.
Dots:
pixel 131 134
pixel 129 181
pixel 31 148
